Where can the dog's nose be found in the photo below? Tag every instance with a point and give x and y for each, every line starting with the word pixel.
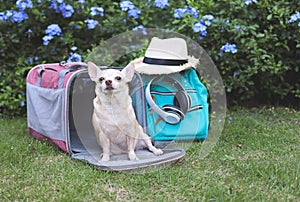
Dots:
pixel 108 82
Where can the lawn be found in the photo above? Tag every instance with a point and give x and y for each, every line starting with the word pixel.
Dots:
pixel 257 158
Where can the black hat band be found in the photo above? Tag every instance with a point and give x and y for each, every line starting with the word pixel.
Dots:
pixel 168 62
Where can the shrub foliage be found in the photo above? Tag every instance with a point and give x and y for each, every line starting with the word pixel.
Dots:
pixel 254 43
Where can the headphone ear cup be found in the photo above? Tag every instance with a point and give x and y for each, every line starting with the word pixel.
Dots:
pixel 183 101
pixel 174 110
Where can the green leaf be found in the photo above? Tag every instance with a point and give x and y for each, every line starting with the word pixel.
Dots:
pixel 269 17
pixel 260 35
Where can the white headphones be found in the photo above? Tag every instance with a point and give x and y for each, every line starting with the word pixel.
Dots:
pixel 170 113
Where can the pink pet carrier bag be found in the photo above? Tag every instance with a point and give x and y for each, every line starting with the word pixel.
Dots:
pixel 59 109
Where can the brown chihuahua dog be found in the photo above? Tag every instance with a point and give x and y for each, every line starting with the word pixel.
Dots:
pixel 114 120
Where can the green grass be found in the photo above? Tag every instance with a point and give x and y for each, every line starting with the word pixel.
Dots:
pixel 257 158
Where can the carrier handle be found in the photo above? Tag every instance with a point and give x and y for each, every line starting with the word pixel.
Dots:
pixel 39 80
pixel 77 67
pixel 61 76
pixel 62 73
pixel 71 68
pixel 74 66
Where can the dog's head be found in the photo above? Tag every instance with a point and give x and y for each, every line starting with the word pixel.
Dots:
pixel 110 80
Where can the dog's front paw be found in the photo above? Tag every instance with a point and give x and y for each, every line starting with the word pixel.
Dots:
pixel 132 156
pixel 158 152
pixel 105 157
pixel 155 150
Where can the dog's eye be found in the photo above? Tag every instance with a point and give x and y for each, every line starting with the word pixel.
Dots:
pixel 101 79
pixel 118 78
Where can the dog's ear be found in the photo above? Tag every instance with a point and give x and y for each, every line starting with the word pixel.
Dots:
pixel 128 72
pixel 93 71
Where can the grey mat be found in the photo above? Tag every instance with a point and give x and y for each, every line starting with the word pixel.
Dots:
pixel 121 162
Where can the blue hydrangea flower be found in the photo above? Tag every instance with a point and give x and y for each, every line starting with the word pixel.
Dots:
pixel 295 17
pixel 91 23
pixel 229 48
pixel 126 5
pixel 9 13
pixel 186 10
pixel 161 3
pixel 47 39
pixel 179 13
pixel 14 16
pixel 240 29
pixel 207 19
pixel 22 103
pixel 200 38
pixel 66 10
pixel 82 3
pixel 130 8
pixel 202 25
pixel 199 27
pixel 75 26
pixel 3 16
pixel 19 16
pixel 247 2
pixel 29 60
pixel 140 28
pixel 53 5
pixel 97 11
pixel 23 4
pixel 134 13
pixel 207 22
pixel 192 11
pixel 74 57
pixel 53 30
pixel 237 28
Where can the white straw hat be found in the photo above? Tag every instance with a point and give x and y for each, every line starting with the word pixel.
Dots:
pixel 165 56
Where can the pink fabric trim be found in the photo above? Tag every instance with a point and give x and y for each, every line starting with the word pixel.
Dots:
pixel 61 144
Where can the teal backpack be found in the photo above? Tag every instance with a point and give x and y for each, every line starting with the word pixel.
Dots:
pixel 177 106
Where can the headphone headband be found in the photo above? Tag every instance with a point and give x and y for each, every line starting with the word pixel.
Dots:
pixel 168 116
pixel 168 79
